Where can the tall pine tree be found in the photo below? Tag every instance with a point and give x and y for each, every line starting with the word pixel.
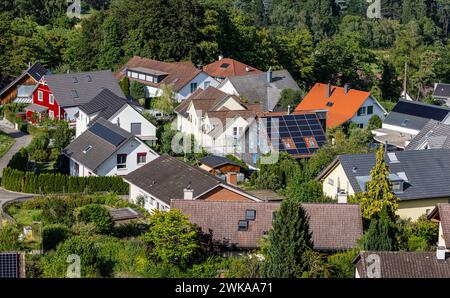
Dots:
pixel 289 240
pixel 379 195
pixel 381 234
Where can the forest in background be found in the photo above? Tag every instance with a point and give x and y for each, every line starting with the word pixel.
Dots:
pixel 315 40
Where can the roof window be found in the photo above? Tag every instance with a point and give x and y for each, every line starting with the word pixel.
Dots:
pixel 250 214
pixel 243 225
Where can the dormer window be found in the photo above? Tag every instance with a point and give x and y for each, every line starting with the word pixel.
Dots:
pixel 74 93
pixel 397 186
pixel 243 225
pixel 250 214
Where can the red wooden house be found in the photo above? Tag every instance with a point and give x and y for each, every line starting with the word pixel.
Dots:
pixel 60 95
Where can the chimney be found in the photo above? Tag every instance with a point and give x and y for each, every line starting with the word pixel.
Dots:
pixel 232 178
pixel 329 89
pixel 220 57
pixel 346 88
pixel 188 192
pixel 289 110
pixel 441 253
pixel 269 75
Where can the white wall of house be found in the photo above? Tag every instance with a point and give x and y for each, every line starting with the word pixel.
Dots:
pixel 231 104
pixel 83 171
pixel 132 148
pixel 228 88
pixel 109 167
pixel 70 113
pixel 150 202
pixel 400 129
pixel 128 115
pixel 203 80
pixel 364 118
pixel 337 181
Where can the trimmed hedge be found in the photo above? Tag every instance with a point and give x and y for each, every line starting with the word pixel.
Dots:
pixel 30 182
pixel 19 160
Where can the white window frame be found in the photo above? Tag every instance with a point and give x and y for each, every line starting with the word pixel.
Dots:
pixel 40 96
pixel 51 99
pixel 140 155
pixel 51 114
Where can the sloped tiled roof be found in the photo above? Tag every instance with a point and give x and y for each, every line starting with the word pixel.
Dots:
pixel 210 96
pixel 256 89
pixel 179 74
pixel 343 106
pixel 419 166
pixel 36 71
pixel 434 133
pixel 402 264
pixel 442 90
pixel 76 89
pixel 333 226
pixel 228 67
pixel 215 161
pixel 106 103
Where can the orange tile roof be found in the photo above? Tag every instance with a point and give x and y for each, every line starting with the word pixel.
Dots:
pixel 234 68
pixel 344 105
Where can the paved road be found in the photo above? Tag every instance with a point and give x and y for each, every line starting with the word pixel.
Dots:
pixel 22 140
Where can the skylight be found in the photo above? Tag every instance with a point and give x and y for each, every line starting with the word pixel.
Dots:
pixel 74 93
pixel 329 104
pixel 392 157
pixel 87 149
pixel 405 122
pixel 89 78
pixel 74 80
pixel 224 65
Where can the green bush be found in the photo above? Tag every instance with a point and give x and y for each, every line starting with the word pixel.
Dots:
pixel 96 214
pixel 9 235
pixel 39 155
pixel 54 234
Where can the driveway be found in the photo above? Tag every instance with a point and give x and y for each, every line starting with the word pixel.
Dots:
pixel 22 140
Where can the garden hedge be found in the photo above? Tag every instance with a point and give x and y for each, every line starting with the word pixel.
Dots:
pixel 30 182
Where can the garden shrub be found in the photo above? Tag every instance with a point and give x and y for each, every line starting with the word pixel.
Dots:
pixel 54 234
pixel 39 155
pixel 96 214
pixel 19 160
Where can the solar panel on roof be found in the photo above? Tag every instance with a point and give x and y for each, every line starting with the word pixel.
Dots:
pixel 107 134
pixel 9 265
pixel 429 112
pixel 295 128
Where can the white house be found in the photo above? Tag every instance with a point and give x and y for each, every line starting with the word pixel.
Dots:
pixel 406 120
pixel 105 149
pixel 217 120
pixel 183 77
pixel 124 113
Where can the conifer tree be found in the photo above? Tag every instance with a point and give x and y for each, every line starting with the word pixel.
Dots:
pixel 379 195
pixel 380 235
pixel 289 240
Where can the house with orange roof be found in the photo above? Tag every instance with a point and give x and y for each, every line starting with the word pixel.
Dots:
pixel 183 77
pixel 228 67
pixel 343 104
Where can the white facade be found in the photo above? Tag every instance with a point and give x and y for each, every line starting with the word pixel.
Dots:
pixel 109 167
pixel 369 108
pixel 125 117
pixel 150 202
pixel 228 88
pixel 228 138
pixel 202 80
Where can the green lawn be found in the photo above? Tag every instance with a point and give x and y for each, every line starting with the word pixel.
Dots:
pixel 5 143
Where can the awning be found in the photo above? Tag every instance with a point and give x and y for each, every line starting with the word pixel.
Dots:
pixel 36 108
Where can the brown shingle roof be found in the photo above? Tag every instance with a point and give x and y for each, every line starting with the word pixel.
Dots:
pixel 210 95
pixel 178 73
pixel 401 264
pixel 442 213
pixel 333 226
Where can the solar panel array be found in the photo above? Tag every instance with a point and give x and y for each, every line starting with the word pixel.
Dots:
pixel 107 134
pixel 419 110
pixel 9 265
pixel 297 128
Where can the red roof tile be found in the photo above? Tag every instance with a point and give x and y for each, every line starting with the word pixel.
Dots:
pixel 228 67
pixel 343 107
